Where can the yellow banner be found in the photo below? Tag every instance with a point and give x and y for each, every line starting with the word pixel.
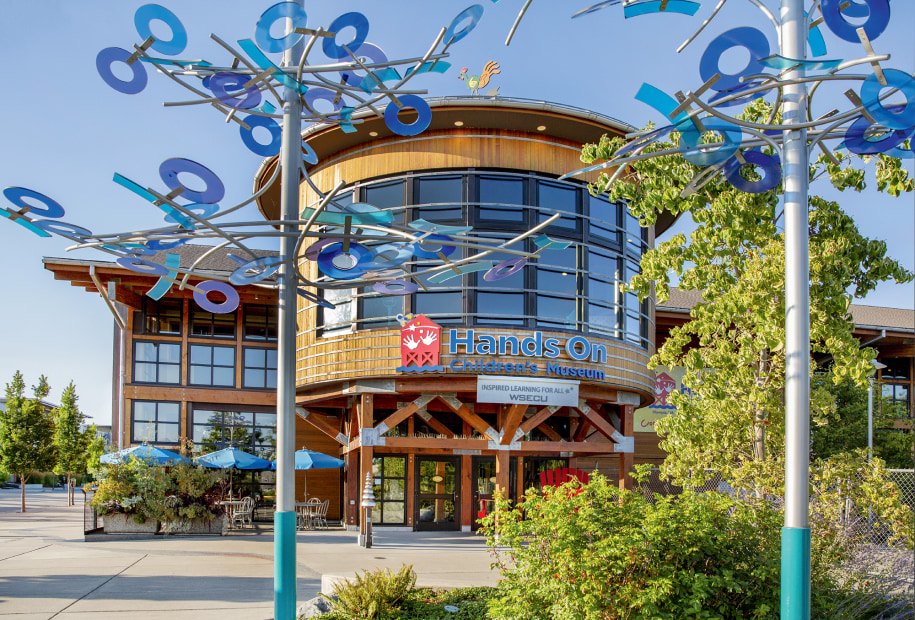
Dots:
pixel 667 381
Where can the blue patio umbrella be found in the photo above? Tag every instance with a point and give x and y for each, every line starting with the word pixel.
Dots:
pixel 145 452
pixel 309 459
pixel 233 458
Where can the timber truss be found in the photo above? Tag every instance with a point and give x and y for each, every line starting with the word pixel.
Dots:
pixel 592 429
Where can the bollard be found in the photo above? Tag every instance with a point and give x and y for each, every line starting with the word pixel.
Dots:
pixel 368 502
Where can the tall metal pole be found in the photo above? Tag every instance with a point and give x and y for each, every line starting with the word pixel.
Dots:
pixel 284 579
pixel 870 419
pixel 795 576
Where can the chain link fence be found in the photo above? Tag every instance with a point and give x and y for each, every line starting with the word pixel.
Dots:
pixel 862 526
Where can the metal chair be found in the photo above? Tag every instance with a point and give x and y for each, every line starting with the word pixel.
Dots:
pixel 320 514
pixel 244 514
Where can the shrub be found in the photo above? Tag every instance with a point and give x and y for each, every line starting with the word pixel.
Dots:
pixel 607 554
pixel 374 595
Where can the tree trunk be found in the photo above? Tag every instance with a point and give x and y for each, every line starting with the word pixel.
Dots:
pixel 22 480
pixel 69 491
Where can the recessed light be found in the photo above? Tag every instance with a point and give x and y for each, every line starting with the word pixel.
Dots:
pixel 541 128
pixel 373 133
pixel 458 123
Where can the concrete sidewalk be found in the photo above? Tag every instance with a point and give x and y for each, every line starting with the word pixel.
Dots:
pixel 48 571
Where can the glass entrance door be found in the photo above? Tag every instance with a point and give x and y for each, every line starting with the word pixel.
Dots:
pixel 437 493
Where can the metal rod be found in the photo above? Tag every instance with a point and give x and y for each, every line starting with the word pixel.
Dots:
pixel 870 418
pixel 284 563
pixel 795 560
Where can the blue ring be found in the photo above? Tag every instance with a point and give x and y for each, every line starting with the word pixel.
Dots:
pixel 416 127
pixel 404 253
pixel 217 84
pixel 769 164
pixel 15 195
pixel 324 94
pixel 751 39
pixel 149 12
pixel 132 262
pixel 170 168
pixel 447 250
pixel 116 54
pixel 51 226
pixel 373 53
pixel 158 244
pixel 328 254
pixel 474 12
pixel 206 210
pixel 269 264
pixel 358 21
pixel 310 157
pixel 230 304
pixel 857 142
pixel 878 17
pixel 247 135
pixel 870 97
pixel 510 266
pixel 689 142
pixel 406 287
pixel 279 10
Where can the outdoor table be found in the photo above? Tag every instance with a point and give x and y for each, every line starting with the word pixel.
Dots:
pixel 231 505
pixel 306 511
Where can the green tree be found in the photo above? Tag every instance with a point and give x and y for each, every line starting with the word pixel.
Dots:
pixel 843 427
pixel 72 439
pixel 26 432
pixel 732 349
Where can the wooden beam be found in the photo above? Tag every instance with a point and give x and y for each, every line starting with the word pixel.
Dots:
pixel 582 431
pixel 429 419
pixel 549 432
pixel 578 447
pixel 322 425
pixel 603 426
pixel 464 412
pixel 512 422
pixel 626 459
pixel 405 412
pixel 538 418
pixel 418 443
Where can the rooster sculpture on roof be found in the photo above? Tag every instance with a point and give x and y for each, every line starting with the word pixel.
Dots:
pixel 476 82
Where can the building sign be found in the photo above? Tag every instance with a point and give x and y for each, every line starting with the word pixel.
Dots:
pixel 527 391
pixel 420 345
pixel 667 381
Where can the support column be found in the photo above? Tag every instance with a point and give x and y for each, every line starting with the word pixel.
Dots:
pixel 795 574
pixel 626 458
pixel 467 490
pixel 502 472
pixel 366 413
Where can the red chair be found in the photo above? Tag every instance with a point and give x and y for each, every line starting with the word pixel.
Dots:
pixel 561 475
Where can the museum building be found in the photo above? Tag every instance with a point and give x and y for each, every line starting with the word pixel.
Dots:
pixel 443 395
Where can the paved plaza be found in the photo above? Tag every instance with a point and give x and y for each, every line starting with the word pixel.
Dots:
pixel 48 571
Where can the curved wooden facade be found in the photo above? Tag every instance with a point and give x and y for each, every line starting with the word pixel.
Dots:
pixel 352 387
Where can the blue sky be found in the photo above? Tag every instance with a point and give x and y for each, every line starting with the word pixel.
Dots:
pixel 66 133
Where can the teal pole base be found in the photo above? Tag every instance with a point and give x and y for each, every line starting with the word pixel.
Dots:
pixel 284 565
pixel 795 594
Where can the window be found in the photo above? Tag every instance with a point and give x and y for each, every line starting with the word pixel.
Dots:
pixel 605 220
pixel 444 197
pixel 212 365
pixel 379 310
pixel 498 195
pixel 156 362
pixel 386 196
pixel 211 325
pixel 260 322
pixel 217 428
pixel 633 307
pixel 390 482
pixel 155 422
pixel 559 198
pixel 557 289
pixel 338 319
pixel 260 368
pixel 161 317
pixel 442 308
pixel 635 234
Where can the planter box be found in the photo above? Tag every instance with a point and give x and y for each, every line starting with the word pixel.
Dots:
pixel 124 524
pixel 195 527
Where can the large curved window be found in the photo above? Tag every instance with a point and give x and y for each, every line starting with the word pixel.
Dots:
pixel 575 289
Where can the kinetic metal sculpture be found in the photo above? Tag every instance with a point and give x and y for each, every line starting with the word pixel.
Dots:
pixel 723 144
pixel 353 245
